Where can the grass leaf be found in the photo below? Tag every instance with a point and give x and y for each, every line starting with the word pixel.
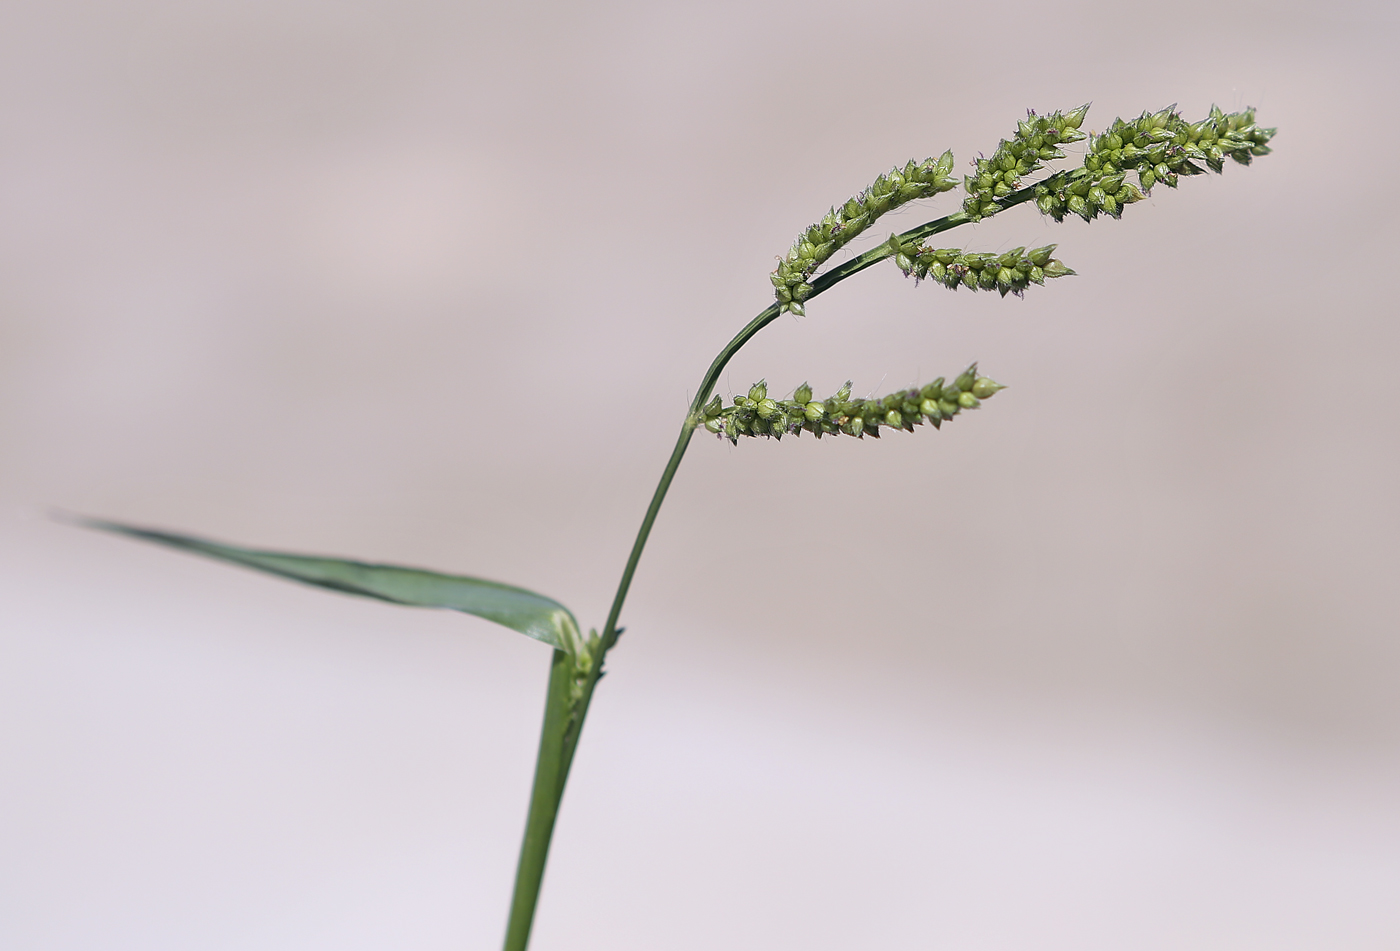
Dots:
pixel 531 614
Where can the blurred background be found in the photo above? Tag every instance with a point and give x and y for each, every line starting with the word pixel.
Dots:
pixel 1111 663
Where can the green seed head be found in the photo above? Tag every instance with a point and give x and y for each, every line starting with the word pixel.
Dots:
pixel 1033 144
pixel 1009 273
pixel 1157 147
pixel 839 414
pixel 815 246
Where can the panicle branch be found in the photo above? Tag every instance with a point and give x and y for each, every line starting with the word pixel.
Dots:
pixel 815 246
pixel 1037 141
pixel 1008 273
pixel 1156 147
pixel 757 414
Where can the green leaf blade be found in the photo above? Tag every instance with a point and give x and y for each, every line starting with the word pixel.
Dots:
pixel 531 614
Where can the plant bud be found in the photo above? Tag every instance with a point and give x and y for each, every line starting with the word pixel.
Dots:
pixel 803 394
pixel 967 401
pixel 759 391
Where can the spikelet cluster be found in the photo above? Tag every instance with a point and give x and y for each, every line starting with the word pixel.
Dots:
pixel 815 246
pixel 1156 147
pixel 1008 273
pixel 1037 141
pixel 757 414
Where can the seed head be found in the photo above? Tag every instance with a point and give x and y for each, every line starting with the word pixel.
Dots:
pixel 840 414
pixel 1037 141
pixel 815 246
pixel 1008 273
pixel 1157 147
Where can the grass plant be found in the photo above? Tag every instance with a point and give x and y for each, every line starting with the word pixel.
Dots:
pixel 1119 167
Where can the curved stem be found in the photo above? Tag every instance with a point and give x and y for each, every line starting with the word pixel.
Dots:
pixel 707 384
pixel 564 716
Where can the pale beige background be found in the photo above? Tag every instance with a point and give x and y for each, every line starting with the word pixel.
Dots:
pixel 1111 664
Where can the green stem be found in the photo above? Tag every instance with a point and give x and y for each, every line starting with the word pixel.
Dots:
pixel 551 770
pixel 707 384
pixel 563 720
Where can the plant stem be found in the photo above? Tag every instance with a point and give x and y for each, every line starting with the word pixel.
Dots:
pixel 707 384
pixel 551 769
pixel 562 725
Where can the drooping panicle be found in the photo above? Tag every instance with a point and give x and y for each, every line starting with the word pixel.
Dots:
pixel 757 414
pixel 1156 147
pixel 815 246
